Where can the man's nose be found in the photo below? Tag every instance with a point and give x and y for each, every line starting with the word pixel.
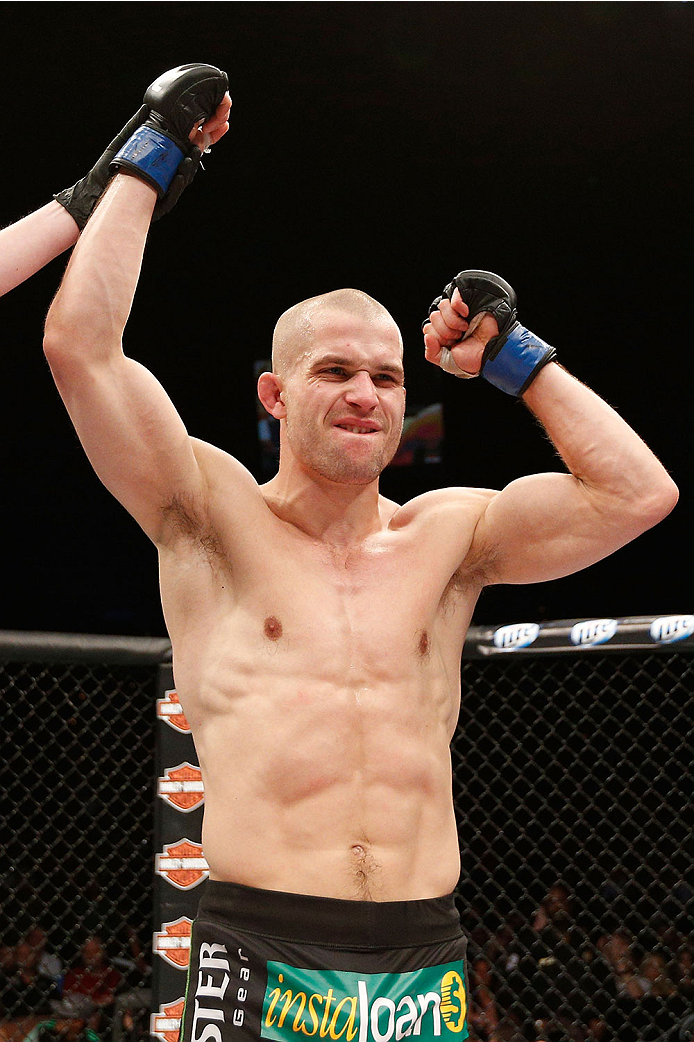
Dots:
pixel 361 391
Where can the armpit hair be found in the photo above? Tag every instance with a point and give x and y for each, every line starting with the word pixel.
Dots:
pixel 187 519
pixel 475 572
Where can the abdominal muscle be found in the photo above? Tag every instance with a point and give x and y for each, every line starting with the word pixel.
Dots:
pixel 332 790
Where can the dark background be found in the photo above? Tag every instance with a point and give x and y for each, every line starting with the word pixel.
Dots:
pixel 383 146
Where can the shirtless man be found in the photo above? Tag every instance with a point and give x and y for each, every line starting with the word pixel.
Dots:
pixel 317 631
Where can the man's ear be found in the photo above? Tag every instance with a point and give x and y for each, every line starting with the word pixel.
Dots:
pixel 270 392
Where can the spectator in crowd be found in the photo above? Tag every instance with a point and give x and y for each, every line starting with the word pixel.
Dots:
pixel 659 1007
pixel 26 993
pixel 681 973
pixel 615 949
pixel 509 1030
pixel 504 948
pixel 483 1016
pixel 653 976
pixel 596 1029
pixel 554 916
pixel 133 1004
pixel 557 1025
pixel 133 965
pixel 94 979
pixel 49 964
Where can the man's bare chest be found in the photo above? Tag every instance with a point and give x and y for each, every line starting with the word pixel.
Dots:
pixel 377 595
pixel 281 590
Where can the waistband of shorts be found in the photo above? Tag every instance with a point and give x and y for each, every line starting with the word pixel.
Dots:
pixel 328 920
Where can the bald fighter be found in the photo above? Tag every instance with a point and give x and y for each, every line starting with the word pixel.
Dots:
pixel 317 627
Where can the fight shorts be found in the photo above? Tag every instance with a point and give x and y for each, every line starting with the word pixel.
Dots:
pixel 288 967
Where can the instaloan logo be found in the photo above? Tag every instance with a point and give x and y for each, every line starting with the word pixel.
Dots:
pixel 368 1007
pixel 172 942
pixel 166 1024
pixel 181 786
pixel 182 864
pixel 170 710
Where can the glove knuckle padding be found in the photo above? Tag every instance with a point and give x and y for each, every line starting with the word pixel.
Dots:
pixel 160 152
pixel 511 360
pixel 181 97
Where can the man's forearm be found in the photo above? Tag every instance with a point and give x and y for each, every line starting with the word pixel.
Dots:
pixel 599 448
pixel 29 244
pixel 92 305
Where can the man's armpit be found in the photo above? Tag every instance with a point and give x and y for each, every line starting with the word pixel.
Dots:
pixel 186 519
pixel 471 577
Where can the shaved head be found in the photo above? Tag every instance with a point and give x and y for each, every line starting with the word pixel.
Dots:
pixel 295 330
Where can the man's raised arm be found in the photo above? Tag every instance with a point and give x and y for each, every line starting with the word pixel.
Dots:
pixel 30 243
pixel 129 428
pixel 546 525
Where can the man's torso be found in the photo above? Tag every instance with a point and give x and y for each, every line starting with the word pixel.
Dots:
pixel 322 685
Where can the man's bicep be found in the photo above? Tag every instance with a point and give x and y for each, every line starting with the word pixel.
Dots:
pixel 133 437
pixel 545 526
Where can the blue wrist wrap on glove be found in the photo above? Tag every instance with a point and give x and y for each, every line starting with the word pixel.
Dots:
pixel 519 359
pixel 512 359
pixel 154 155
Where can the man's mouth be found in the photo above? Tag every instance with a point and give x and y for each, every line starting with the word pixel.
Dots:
pixel 358 428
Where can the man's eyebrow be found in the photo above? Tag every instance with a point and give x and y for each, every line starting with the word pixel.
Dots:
pixel 335 359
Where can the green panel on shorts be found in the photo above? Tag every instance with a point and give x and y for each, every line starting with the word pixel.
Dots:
pixel 425 1004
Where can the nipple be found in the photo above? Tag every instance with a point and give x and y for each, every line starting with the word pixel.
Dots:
pixel 273 628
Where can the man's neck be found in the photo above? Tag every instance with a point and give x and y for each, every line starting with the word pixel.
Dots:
pixel 334 513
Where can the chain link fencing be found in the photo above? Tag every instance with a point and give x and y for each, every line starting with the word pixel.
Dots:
pixel 76 827
pixel 572 774
pixel 572 782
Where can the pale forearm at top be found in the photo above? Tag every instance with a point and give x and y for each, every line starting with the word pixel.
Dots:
pixel 92 305
pixel 598 447
pixel 29 244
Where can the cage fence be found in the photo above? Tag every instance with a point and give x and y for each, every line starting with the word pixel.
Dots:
pixel 572 780
pixel 76 823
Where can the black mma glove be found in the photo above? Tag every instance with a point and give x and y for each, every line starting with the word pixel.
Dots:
pixel 511 360
pixel 160 151
pixel 178 98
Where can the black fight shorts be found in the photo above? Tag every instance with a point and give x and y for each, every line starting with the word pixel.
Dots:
pixel 288 967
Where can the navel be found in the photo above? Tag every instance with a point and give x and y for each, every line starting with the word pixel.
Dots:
pixel 424 643
pixel 272 628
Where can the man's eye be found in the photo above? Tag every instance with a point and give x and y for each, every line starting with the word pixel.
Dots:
pixel 335 370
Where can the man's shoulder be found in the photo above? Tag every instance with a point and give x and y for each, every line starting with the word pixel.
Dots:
pixel 441 504
pixel 219 465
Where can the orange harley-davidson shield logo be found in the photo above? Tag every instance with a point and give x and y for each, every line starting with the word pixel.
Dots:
pixel 182 787
pixel 182 864
pixel 172 942
pixel 170 710
pixel 166 1024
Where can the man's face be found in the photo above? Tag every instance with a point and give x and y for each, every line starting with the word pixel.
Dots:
pixel 345 398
